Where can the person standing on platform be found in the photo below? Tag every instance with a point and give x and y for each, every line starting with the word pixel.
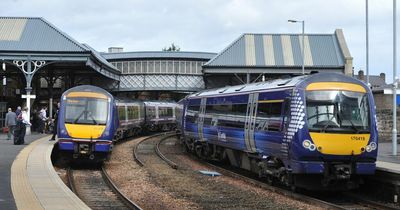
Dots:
pixel 55 123
pixel 11 122
pixel 18 111
pixel 22 127
pixel 43 119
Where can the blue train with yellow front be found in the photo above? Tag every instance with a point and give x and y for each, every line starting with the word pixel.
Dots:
pixel 316 131
pixel 88 120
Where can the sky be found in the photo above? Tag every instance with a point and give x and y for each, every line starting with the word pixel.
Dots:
pixel 211 25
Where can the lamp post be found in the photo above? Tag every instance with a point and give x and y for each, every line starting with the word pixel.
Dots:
pixel 302 42
pixel 395 83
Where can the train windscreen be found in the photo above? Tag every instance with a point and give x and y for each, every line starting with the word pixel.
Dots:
pixel 337 111
pixel 91 111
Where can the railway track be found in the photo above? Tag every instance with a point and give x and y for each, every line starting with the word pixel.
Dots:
pixel 152 144
pixel 345 200
pixel 97 190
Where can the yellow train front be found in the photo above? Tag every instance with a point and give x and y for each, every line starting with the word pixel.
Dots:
pixel 87 123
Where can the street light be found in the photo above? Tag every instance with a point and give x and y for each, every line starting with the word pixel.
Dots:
pixel 302 53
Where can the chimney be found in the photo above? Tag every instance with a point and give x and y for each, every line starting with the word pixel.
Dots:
pixel 115 49
pixel 361 75
pixel 383 77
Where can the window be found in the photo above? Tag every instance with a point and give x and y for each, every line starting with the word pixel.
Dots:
pixel 165 112
pixel 170 68
pixel 133 112
pixel 144 67
pixel 337 111
pixel 227 115
pixel 187 64
pixel 138 67
pixel 182 68
pixel 269 116
pixel 119 66
pixel 176 67
pixel 121 112
pixel 82 110
pixel 163 67
pixel 125 67
pixel 199 64
pixel 131 67
pixel 157 67
pixel 151 67
pixel 193 65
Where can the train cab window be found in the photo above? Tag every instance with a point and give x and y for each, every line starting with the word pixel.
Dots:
pixel 269 117
pixel 337 111
pixel 86 111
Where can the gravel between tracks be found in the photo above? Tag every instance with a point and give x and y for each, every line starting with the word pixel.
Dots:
pixel 157 186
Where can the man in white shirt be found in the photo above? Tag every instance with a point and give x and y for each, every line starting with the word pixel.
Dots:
pixel 22 127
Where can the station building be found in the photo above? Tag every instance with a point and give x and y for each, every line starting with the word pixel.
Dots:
pixel 40 61
pixel 161 75
pixel 254 57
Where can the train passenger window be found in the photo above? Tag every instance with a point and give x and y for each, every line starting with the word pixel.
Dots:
pixel 121 112
pixel 133 112
pixel 165 112
pixel 269 116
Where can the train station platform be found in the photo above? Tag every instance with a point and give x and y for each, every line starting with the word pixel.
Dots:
pixel 32 183
pixel 386 161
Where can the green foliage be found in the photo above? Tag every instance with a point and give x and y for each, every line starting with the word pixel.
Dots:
pixel 173 47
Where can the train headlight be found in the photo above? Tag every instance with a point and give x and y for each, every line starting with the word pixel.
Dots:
pixel 312 147
pixel 307 144
pixel 368 148
pixel 373 145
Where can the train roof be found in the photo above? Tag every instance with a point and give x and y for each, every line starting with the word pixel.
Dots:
pixel 88 88
pixel 154 103
pixel 280 84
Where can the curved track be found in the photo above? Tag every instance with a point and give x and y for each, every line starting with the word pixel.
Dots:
pixel 152 144
pixel 97 190
pixel 345 200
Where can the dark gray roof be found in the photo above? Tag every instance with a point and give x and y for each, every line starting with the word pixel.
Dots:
pixel 158 54
pixel 281 50
pixel 34 34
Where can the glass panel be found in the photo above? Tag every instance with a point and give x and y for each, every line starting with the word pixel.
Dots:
pixel 151 67
pixel 199 67
pixel 182 67
pixel 193 63
pixel 144 67
pixel 157 67
pixel 187 64
pixel 125 67
pixel 131 67
pixel 176 67
pixel 133 112
pixel 169 67
pixel 138 67
pixel 119 66
pixel 269 116
pixel 86 111
pixel 121 112
pixel 337 111
pixel 163 67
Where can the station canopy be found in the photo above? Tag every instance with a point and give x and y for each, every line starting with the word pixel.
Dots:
pixel 32 44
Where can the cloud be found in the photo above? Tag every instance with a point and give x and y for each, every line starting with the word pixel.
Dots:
pixel 210 25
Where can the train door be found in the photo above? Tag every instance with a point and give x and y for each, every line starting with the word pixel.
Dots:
pixel 201 119
pixel 250 122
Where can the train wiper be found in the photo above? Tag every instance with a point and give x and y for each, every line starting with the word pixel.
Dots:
pixel 91 116
pixel 79 116
pixel 353 126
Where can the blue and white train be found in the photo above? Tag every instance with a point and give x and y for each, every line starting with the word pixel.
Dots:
pixel 315 131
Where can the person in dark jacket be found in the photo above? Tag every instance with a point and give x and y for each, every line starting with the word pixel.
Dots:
pixel 11 122
pixel 55 123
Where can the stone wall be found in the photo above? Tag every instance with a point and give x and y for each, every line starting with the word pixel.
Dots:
pixel 385 124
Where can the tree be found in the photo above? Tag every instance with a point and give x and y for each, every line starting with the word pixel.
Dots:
pixel 173 47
